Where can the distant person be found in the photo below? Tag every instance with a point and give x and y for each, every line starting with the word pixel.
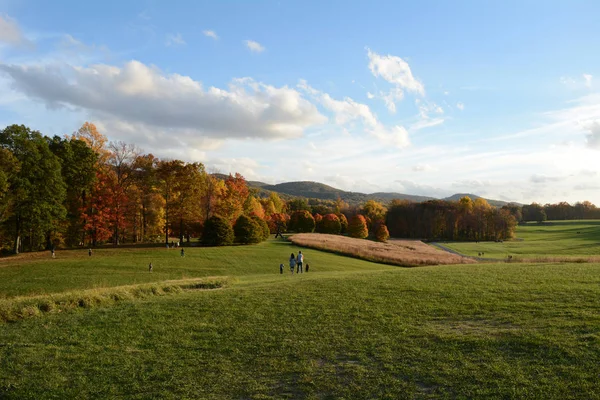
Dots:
pixel 307 266
pixel 182 252
pixel 299 261
pixel 177 244
pixel 150 267
pixel 53 253
pixel 278 233
pixel 90 252
pixel 281 269
pixel 292 262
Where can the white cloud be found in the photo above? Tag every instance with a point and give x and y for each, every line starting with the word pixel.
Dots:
pixel 565 80
pixel 423 168
pixel 210 34
pixel 149 100
pixel 394 70
pixel 460 106
pixel 254 47
pixel 588 80
pixel 347 111
pixel 174 39
pixel 390 98
pixel 538 178
pixel 426 123
pixel 592 139
pixel 11 34
pixel 471 184
pixel 370 95
pixel 395 136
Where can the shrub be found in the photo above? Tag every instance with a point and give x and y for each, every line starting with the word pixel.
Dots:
pixel 247 230
pixel 343 222
pixel 217 232
pixel 302 221
pixel 382 234
pixel 263 225
pixel 330 224
pixel 357 227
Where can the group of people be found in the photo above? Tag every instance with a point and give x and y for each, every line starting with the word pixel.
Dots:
pixel 296 262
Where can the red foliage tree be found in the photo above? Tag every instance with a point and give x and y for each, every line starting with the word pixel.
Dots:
pixel 357 227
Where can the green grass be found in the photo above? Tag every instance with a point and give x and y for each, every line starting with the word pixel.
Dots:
pixel 348 329
pixel 75 270
pixel 549 239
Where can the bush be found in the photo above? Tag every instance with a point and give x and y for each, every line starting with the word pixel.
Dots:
pixel 357 228
pixel 217 232
pixel 302 221
pixel 247 230
pixel 382 234
pixel 343 222
pixel 263 225
pixel 330 224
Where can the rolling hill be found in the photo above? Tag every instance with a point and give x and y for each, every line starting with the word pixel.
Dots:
pixel 317 190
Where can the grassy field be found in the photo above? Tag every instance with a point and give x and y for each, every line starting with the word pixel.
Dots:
pixel 348 329
pixel 553 239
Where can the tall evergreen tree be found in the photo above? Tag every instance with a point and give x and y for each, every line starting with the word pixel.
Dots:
pixel 38 188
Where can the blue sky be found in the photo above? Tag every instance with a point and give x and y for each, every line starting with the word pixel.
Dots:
pixel 500 99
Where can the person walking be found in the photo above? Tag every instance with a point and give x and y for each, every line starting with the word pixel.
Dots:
pixel 150 267
pixel 299 261
pixel 182 252
pixel 281 268
pixel 292 262
pixel 53 253
pixel 90 252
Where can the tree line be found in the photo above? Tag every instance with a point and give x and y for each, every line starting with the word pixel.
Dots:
pixel 81 189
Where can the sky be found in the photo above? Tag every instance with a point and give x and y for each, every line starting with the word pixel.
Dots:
pixel 499 99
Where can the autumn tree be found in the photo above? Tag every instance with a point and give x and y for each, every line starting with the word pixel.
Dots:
pixel 302 221
pixel 231 203
pixel 343 222
pixel 252 206
pixel 121 158
pixel 147 199
pixel 382 234
pixel 375 212
pixel 331 224
pixel 167 172
pixel 190 187
pixel 357 227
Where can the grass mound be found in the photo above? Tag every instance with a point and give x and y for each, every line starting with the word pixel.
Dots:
pixel 404 253
pixel 19 308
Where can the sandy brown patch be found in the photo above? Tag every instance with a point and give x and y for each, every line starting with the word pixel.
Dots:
pixel 396 252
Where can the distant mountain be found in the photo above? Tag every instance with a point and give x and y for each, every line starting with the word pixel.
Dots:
pixel 389 196
pixel 316 190
pixel 495 203
pixel 321 191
